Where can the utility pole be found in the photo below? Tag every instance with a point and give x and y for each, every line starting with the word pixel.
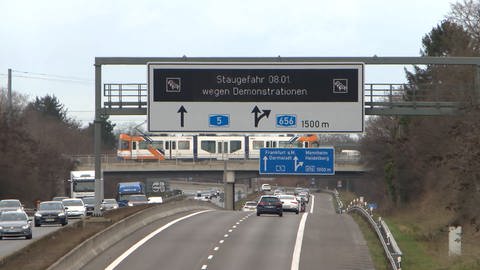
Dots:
pixel 9 95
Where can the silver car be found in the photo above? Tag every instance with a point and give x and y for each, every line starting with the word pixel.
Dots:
pixel 15 224
pixel 10 205
pixel 108 204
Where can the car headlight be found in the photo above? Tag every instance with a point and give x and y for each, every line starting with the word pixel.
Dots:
pixel 1 228
pixel 130 204
pixel 25 226
pixel 38 215
pixel 61 214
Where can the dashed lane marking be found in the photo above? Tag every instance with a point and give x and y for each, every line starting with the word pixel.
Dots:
pixel 129 251
pixel 313 203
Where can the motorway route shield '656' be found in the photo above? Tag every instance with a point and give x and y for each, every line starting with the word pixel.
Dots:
pixel 297 161
pixel 255 97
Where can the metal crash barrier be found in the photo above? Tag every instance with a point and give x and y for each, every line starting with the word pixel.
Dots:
pixel 392 251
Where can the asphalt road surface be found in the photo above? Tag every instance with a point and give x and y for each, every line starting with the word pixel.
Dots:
pixel 11 244
pixel 318 239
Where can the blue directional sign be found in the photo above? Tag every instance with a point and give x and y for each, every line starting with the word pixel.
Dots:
pixel 297 161
pixel 219 120
pixel 286 120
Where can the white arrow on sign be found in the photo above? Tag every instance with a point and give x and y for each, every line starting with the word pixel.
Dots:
pixel 297 164
pixel 265 158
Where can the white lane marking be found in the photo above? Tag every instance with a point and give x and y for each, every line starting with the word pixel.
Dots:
pixel 298 243
pixel 204 267
pixel 238 223
pixel 226 235
pixel 129 251
pixel 221 241
pixel 210 257
pixel 216 248
pixel 234 226
pixel 230 230
pixel 313 203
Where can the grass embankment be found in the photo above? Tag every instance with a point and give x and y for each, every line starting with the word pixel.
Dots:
pixel 422 238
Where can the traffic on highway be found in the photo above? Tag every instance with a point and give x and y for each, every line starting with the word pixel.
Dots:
pixel 275 223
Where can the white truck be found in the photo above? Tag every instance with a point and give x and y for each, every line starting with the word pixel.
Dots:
pixel 82 184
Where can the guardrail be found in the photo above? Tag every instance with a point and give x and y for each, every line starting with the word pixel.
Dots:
pixel 393 252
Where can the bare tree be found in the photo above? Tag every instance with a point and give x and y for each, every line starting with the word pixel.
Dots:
pixel 467 14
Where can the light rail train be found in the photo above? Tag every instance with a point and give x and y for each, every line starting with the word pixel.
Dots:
pixel 219 147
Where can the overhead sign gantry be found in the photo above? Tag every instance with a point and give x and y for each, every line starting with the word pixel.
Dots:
pixel 255 97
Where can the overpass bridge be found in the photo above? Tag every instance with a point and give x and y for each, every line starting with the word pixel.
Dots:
pixel 234 174
pixel 110 163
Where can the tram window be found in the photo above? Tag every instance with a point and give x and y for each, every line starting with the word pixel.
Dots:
pixel 220 148
pixel 173 145
pixel 183 145
pixel 143 145
pixel 257 144
pixel 208 146
pixel 235 146
pixel 157 144
pixel 271 144
pixel 283 144
pixel 134 145
pixel 123 145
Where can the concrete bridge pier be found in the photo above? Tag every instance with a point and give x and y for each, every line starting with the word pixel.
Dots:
pixel 229 189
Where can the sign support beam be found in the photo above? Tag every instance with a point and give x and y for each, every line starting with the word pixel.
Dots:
pixel 98 141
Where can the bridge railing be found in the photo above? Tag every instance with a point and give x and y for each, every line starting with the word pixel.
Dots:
pixel 377 96
pixel 114 159
pixel 390 246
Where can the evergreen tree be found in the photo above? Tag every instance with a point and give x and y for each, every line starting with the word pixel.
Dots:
pixel 109 139
pixel 49 106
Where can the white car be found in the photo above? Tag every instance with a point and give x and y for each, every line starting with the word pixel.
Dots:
pixel 289 203
pixel 266 187
pixel 11 205
pixel 155 200
pixel 203 196
pixel 75 207
pixel 250 206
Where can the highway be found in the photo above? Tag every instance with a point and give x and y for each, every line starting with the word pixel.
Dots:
pixel 316 239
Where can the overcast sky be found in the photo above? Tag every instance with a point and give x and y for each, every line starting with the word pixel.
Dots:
pixel 62 38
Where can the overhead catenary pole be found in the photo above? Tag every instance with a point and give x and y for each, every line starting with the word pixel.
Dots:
pixel 9 94
pixel 98 141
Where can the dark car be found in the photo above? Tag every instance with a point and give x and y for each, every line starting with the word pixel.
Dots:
pixel 137 200
pixel 15 224
pixel 269 205
pixel 89 203
pixel 51 212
